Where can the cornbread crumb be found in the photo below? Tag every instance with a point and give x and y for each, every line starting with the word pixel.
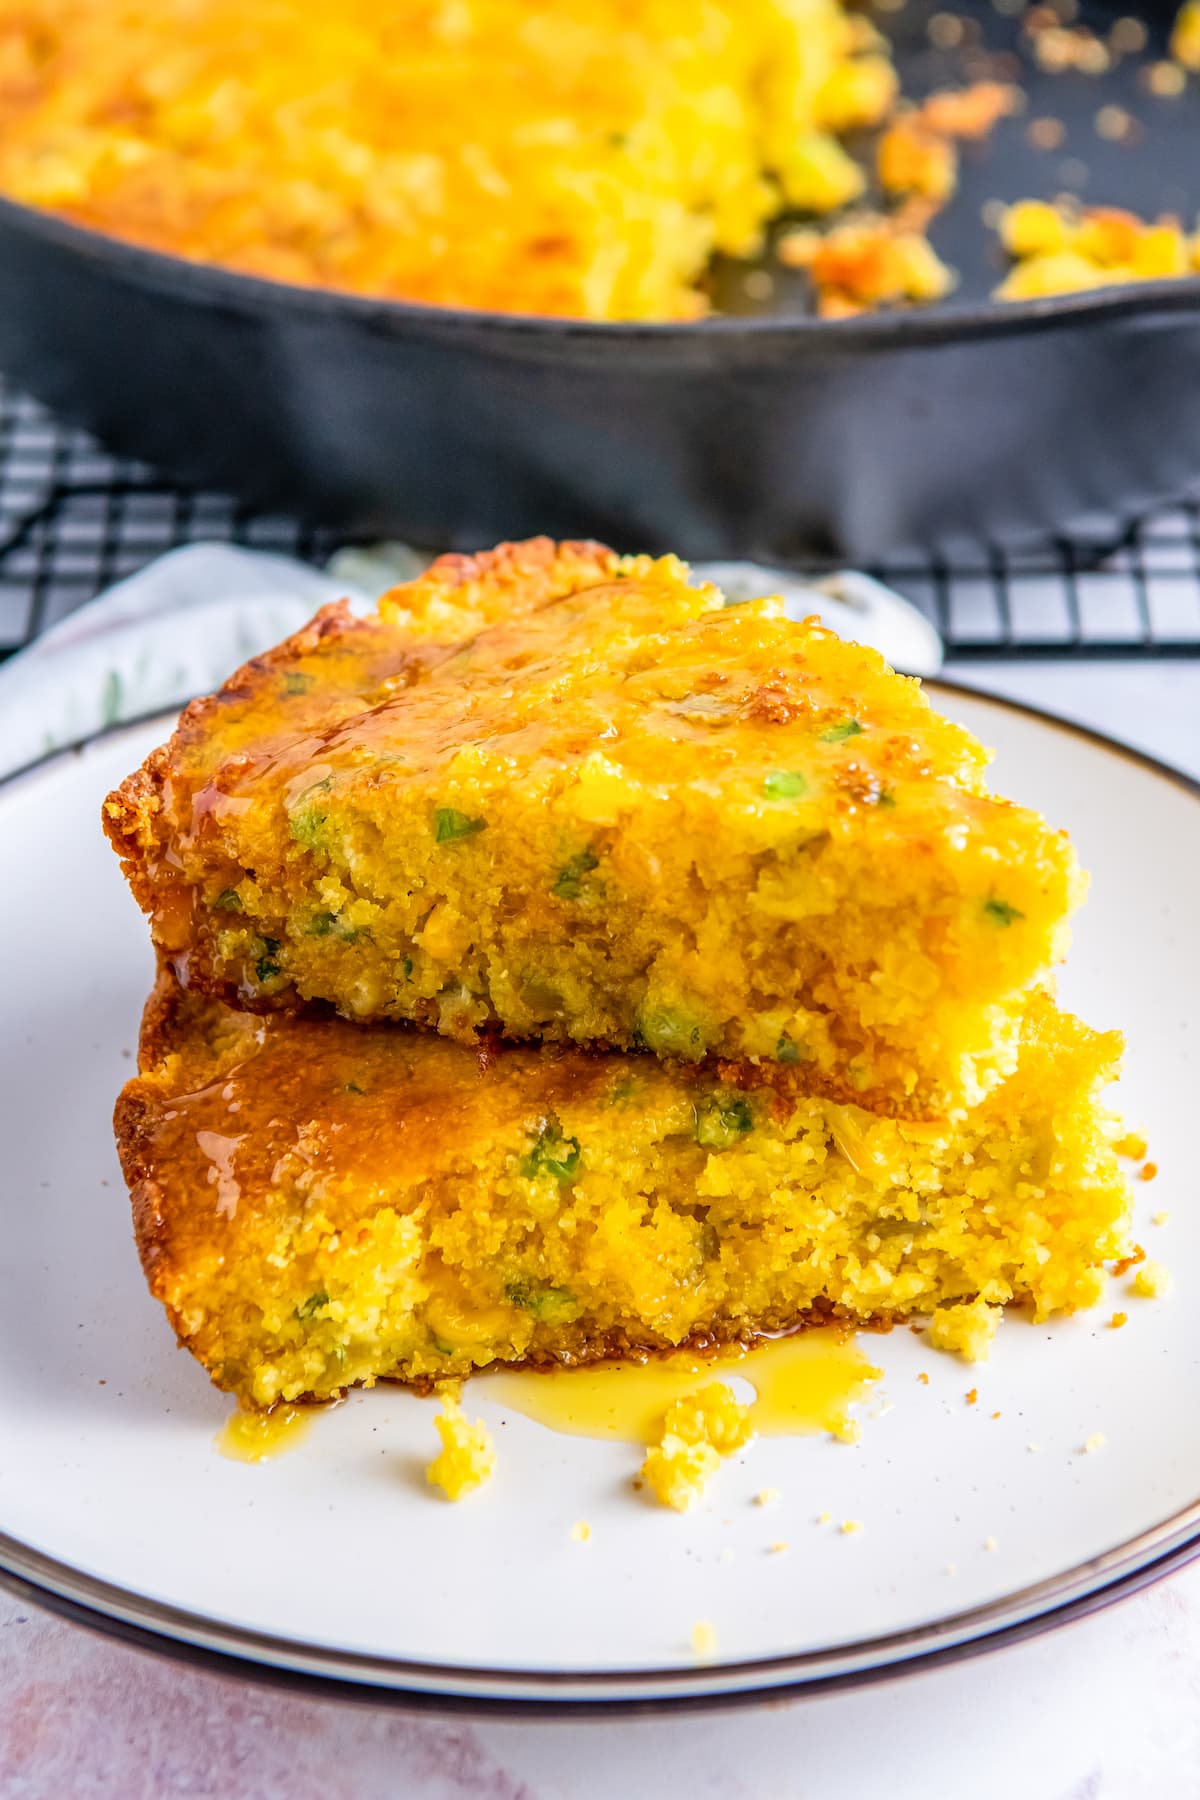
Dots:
pixel 581 1532
pixel 847 1431
pixel 704 1638
pixel 967 1328
pixel 1059 248
pixel 1148 1171
pixel 923 1378
pixel 1033 1448
pixel 824 1518
pixel 913 160
pixel 996 1415
pixel 697 1432
pixel 850 1526
pixel 778 1548
pixel 677 1472
pixel 1032 228
pixel 1132 1145
pixel 766 1496
pixel 991 1543
pixel 1096 1442
pixel 1161 1218
pixel 867 259
pixel 1151 1280
pixel 972 1396
pixel 467 1457
pixel 712 1416
pixel 1118 1319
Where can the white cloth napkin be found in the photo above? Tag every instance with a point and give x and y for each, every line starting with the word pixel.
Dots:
pixel 182 624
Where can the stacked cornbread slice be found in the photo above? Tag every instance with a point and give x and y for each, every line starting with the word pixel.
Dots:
pixel 689 983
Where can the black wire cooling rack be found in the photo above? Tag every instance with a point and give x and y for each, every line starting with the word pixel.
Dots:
pixel 73 519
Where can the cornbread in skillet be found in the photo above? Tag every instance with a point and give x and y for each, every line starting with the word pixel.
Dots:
pixel 319 1203
pixel 575 157
pixel 1064 248
pixel 567 795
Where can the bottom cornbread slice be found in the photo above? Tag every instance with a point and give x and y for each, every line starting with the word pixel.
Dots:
pixel 318 1203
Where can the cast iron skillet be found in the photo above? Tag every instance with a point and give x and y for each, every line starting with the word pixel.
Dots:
pixel 767 433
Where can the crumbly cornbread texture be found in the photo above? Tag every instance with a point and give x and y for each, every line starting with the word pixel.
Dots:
pixel 576 157
pixel 1063 249
pixel 569 796
pixel 318 1204
pixel 696 1433
pixel 467 1457
pixel 966 1328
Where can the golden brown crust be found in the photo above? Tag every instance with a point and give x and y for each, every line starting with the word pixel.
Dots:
pixel 416 626
pixel 174 1038
pixel 504 582
pixel 133 1126
pixel 509 578
pixel 129 812
pixel 174 1022
pixel 400 1174
pixel 560 710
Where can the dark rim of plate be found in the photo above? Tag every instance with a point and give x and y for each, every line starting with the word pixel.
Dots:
pixel 326 1673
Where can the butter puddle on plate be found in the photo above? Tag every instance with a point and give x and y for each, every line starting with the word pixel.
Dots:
pixel 802 1384
pixel 253 1437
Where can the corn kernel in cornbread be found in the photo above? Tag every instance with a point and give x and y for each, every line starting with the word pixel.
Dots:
pixel 568 795
pixel 319 1204
pixel 568 157
pixel 467 1456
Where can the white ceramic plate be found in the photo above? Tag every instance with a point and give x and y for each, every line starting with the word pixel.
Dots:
pixel 337 1561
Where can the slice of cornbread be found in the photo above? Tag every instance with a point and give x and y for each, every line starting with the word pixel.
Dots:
pixel 318 1203
pixel 567 795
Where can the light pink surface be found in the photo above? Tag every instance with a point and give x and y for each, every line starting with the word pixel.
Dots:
pixel 1105 1710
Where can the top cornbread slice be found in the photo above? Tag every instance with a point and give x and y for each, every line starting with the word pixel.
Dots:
pixel 566 795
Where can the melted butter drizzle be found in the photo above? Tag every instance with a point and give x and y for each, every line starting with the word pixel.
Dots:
pixel 255 1436
pixel 802 1384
